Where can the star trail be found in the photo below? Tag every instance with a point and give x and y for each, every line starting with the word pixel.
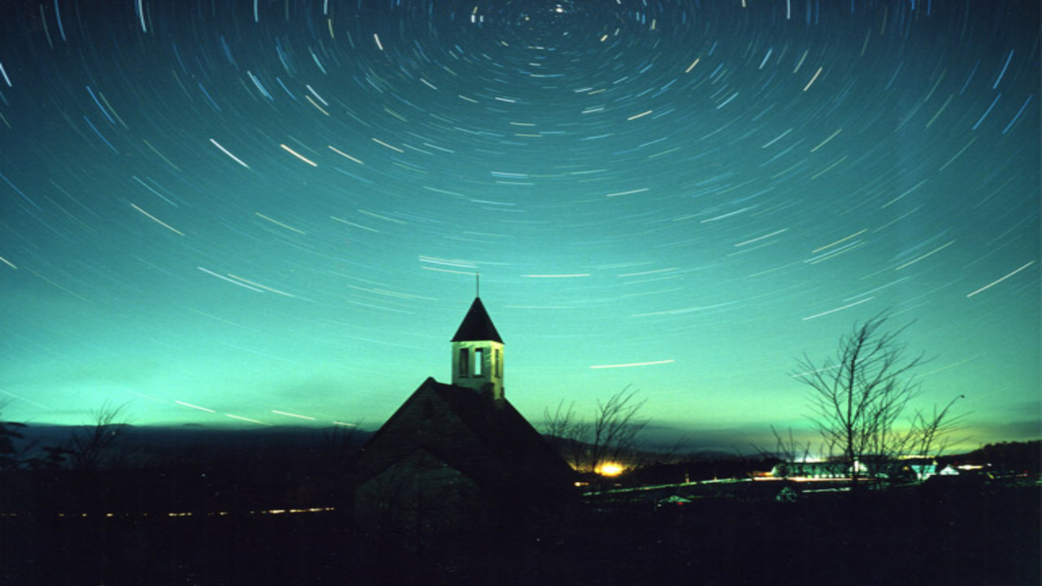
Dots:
pixel 271 212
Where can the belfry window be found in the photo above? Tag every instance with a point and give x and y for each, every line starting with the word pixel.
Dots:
pixel 479 361
pixel 464 362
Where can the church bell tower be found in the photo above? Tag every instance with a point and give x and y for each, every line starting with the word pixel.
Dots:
pixel 477 353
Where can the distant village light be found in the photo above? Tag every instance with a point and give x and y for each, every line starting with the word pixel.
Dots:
pixel 610 469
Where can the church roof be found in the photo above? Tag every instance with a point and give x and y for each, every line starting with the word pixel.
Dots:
pixel 493 444
pixel 477 325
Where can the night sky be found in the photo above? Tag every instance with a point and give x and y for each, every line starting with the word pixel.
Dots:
pixel 252 212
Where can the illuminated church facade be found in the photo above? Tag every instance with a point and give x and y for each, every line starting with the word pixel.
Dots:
pixel 460 452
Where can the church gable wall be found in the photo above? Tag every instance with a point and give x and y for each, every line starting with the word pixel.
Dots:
pixel 427 422
pixel 420 495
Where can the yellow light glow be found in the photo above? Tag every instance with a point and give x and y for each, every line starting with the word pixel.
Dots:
pixel 610 469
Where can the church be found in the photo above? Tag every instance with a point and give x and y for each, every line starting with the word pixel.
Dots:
pixel 457 453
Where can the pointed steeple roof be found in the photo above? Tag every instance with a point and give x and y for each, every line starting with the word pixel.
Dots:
pixel 477 325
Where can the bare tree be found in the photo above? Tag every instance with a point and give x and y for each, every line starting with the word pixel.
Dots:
pixel 338 442
pixel 16 452
pixel 10 455
pixel 615 428
pixel 788 450
pixel 858 395
pixel 931 432
pixel 610 435
pixel 566 433
pixel 90 444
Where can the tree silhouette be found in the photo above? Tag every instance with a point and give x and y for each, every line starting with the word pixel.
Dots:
pixel 609 435
pixel 90 445
pixel 858 396
pixel 9 453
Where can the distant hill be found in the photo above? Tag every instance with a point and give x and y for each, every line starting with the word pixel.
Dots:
pixel 147 445
pixel 1023 457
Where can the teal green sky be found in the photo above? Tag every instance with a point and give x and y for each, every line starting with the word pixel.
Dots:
pixel 271 213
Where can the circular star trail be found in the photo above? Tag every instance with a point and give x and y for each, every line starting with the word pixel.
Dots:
pixel 251 212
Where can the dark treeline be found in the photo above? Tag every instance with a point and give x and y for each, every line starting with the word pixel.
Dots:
pixel 203 470
pixel 1007 457
pixel 160 470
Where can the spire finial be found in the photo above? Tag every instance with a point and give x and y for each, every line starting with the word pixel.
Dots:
pixel 477 284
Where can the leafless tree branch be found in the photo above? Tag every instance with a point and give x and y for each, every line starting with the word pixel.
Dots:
pixel 609 435
pixel 89 446
pixel 859 395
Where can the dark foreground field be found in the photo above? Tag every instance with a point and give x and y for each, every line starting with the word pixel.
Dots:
pixel 921 535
